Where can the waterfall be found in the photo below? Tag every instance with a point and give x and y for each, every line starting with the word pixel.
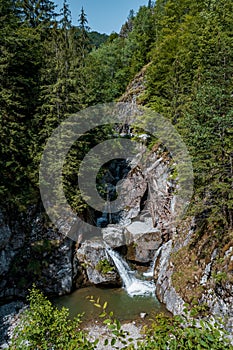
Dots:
pixel 133 285
pixel 106 217
pixel 150 272
pixel 123 268
pixel 102 221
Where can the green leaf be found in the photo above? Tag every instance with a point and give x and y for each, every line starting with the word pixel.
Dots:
pixel 108 321
pixel 97 305
pixel 113 341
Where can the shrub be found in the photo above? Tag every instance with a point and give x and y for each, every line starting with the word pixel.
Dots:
pixel 104 267
pixel 43 326
pixel 179 333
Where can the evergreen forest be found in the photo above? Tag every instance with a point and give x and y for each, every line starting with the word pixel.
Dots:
pixel 51 69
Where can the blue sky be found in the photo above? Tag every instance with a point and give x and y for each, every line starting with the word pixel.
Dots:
pixel 104 16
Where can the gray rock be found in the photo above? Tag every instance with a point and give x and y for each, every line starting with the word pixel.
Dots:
pixel 220 303
pixel 60 270
pixel 33 252
pixel 8 319
pixel 164 290
pixel 89 255
pixel 113 235
pixel 143 240
pixel 8 245
pixel 132 190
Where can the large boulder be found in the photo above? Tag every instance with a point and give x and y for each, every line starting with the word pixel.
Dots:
pixel 94 262
pixel 114 236
pixel 132 190
pixel 143 240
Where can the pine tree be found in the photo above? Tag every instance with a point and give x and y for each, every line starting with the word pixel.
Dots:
pixel 212 107
pixel 140 39
pixel 128 26
pixel 37 13
pixel 83 38
pixel 150 4
pixel 58 98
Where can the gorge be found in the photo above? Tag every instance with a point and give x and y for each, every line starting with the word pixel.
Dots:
pixel 172 64
pixel 143 235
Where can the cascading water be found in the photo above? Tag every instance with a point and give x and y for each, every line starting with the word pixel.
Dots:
pixel 150 272
pixel 114 172
pixel 133 285
pixel 102 221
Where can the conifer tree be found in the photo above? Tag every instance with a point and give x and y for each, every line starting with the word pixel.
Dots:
pixel 150 4
pixel 84 41
pixel 57 87
pixel 37 13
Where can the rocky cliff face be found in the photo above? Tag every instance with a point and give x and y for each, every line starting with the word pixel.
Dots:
pixel 144 226
pixel 183 276
pixel 136 88
pixel 194 264
pixel 33 252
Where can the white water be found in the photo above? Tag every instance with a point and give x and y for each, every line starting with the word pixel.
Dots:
pixel 150 272
pixel 133 285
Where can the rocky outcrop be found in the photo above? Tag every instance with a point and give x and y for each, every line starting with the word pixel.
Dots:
pixel 165 291
pixel 113 236
pixel 9 316
pixel 144 225
pixel 32 252
pixel 136 88
pixel 94 265
pixel 218 286
pixel 183 278
pixel 220 303
pixel 142 240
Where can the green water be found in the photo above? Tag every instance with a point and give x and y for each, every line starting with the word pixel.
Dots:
pixel 123 306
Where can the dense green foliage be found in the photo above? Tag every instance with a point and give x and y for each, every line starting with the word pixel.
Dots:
pixel 43 326
pixel 190 82
pixel 50 69
pixel 174 333
pixel 42 58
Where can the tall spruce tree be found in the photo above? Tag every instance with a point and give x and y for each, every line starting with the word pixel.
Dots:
pixel 84 40
pixel 37 13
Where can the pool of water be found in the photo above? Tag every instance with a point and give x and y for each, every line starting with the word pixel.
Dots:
pixel 123 306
